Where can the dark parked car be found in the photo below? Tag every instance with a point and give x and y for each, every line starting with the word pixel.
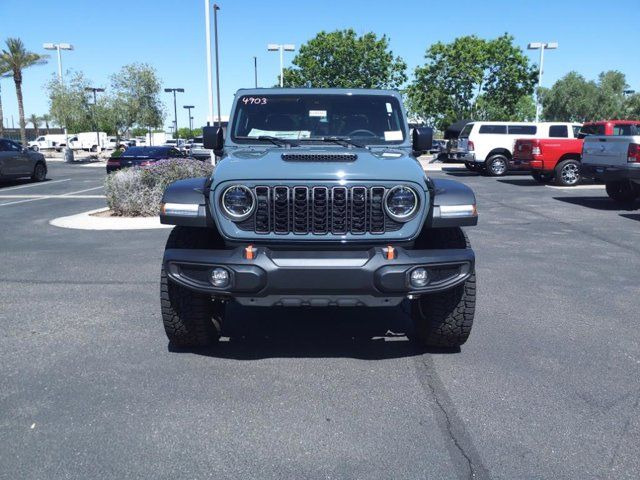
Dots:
pixel 18 162
pixel 142 156
pixel 318 201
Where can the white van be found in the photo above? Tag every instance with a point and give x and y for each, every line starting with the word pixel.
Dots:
pixel 89 141
pixel 56 141
pixel 488 146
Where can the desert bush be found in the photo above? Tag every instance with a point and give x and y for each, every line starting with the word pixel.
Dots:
pixel 137 191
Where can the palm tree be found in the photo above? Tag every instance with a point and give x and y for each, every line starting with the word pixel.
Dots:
pixel 35 120
pixel 17 58
pixel 46 118
pixel 3 70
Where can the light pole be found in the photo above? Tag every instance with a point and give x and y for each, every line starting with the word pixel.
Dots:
pixel 215 34
pixel 175 109
pixel 95 104
pixel 287 47
pixel 542 46
pixel 189 107
pixel 255 70
pixel 58 47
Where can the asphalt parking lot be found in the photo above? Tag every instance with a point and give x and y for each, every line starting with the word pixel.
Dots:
pixel 548 385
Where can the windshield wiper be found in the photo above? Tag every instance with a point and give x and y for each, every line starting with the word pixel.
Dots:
pixel 280 142
pixel 344 141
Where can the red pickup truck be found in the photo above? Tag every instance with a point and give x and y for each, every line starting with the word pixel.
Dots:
pixel 558 159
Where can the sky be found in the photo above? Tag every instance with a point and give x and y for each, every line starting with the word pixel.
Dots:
pixel 170 36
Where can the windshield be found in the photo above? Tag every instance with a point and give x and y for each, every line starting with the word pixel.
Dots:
pixel 369 119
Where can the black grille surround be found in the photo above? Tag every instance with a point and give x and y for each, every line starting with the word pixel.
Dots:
pixel 319 157
pixel 319 210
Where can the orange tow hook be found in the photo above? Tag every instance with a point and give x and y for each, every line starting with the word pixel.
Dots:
pixel 390 252
pixel 250 252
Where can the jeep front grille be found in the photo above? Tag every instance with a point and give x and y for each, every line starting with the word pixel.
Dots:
pixel 319 210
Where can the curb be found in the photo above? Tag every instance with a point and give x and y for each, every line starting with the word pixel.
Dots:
pixel 84 221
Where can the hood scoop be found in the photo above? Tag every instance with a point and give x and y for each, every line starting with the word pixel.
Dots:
pixel 319 157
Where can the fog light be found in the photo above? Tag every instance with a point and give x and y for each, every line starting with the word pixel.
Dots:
pixel 219 277
pixel 419 277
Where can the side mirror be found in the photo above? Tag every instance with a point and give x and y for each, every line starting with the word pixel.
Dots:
pixel 422 140
pixel 213 139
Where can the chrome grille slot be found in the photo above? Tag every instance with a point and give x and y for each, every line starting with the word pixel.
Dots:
pixel 281 209
pixel 358 210
pixel 262 224
pixel 320 213
pixel 339 210
pixel 377 210
pixel 300 210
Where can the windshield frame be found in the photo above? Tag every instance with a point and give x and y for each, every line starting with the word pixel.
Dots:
pixel 321 139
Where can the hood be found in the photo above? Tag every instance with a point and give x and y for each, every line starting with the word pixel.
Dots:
pixel 269 165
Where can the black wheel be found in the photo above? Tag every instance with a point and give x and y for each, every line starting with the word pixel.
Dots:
pixel 190 319
pixel 542 177
pixel 39 172
pixel 445 319
pixel 623 191
pixel 35 148
pixel 497 165
pixel 568 173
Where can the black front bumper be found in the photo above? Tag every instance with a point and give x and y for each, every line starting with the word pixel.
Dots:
pixel 318 278
pixel 610 173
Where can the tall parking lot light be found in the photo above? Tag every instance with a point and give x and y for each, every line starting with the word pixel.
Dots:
pixel 175 109
pixel 287 47
pixel 95 122
pixel 542 47
pixel 189 107
pixel 58 47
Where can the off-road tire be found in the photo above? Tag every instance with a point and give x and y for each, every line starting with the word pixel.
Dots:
pixel 190 319
pixel 497 165
pixel 445 319
pixel 542 177
pixel 39 172
pixel 567 173
pixel 622 191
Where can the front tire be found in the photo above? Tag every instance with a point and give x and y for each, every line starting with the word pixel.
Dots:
pixel 35 148
pixel 190 319
pixel 568 173
pixel 622 191
pixel 445 319
pixel 39 172
pixel 497 165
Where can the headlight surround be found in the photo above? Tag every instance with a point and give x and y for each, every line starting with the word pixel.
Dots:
pixel 401 203
pixel 238 202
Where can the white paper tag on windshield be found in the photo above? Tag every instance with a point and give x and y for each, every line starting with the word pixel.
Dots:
pixel 392 135
pixel 318 113
pixel 287 135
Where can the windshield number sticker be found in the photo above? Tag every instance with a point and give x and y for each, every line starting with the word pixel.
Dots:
pixel 254 100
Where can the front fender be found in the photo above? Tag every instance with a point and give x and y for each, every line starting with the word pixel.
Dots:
pixel 184 202
pixel 454 204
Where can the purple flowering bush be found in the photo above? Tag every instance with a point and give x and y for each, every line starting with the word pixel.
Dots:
pixel 137 191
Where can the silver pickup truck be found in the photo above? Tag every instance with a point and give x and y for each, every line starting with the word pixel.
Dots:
pixel 614 160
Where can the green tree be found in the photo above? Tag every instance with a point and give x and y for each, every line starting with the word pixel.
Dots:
pixel 46 118
pixel 4 69
pixel 472 78
pixel 185 133
pixel 69 103
pixel 35 120
pixel 18 58
pixel 576 99
pixel 343 59
pixel 632 107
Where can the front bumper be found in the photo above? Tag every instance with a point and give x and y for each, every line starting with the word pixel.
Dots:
pixel 318 278
pixel 611 173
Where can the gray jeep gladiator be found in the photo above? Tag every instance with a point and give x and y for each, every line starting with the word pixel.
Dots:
pixel 318 200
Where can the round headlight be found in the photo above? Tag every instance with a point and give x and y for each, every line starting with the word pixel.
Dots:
pixel 401 203
pixel 238 202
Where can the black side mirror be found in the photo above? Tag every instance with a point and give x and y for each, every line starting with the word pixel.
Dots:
pixel 422 140
pixel 213 139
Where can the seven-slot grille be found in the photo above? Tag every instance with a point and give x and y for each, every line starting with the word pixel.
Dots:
pixel 319 210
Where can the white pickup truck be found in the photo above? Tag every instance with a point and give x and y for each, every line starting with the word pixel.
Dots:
pixel 614 160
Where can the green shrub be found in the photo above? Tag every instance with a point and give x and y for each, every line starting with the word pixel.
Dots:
pixel 137 191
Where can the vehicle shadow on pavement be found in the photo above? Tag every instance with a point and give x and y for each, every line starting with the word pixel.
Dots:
pixel 367 334
pixel 631 216
pixel 16 183
pixel 598 203
pixel 521 182
pixel 458 173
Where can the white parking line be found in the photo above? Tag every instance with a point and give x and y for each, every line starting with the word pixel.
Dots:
pixel 52 196
pixel 39 184
pixel 578 187
pixel 63 196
